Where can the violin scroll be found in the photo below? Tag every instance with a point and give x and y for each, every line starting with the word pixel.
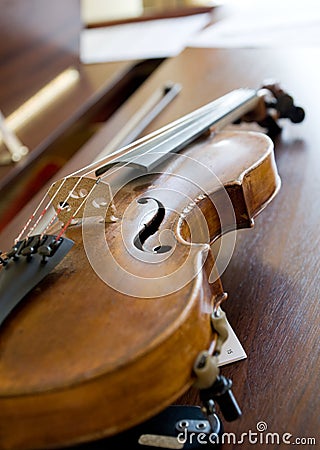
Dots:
pixel 274 104
pixel 283 104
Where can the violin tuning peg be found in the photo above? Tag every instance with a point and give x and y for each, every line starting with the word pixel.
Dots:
pixel 297 114
pixel 283 103
pixel 287 109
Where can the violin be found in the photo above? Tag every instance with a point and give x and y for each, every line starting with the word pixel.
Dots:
pixel 110 295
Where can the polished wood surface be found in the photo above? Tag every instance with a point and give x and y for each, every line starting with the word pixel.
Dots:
pixel 39 39
pixel 273 277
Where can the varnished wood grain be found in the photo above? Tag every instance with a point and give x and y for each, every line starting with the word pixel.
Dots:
pixel 273 277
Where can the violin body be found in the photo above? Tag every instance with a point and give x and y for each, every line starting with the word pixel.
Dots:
pixel 104 342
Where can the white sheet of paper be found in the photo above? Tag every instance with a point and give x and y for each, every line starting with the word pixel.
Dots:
pixel 232 349
pixel 275 23
pixel 139 40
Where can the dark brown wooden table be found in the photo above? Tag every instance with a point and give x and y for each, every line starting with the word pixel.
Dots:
pixel 273 277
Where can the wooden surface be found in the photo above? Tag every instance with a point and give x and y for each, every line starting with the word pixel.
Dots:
pixel 273 277
pixel 39 39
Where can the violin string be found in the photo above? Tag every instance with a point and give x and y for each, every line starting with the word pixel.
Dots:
pixel 152 149
pixel 45 210
pixel 128 147
pixel 74 215
pixel 206 109
pixel 189 123
pixel 33 215
pixel 112 155
pixel 18 238
pixel 60 208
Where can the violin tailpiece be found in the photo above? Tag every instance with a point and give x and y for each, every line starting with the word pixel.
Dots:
pixel 29 261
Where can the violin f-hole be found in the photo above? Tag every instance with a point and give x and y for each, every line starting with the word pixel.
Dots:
pixel 151 227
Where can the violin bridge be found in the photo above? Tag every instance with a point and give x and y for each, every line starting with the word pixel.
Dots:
pixel 76 198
